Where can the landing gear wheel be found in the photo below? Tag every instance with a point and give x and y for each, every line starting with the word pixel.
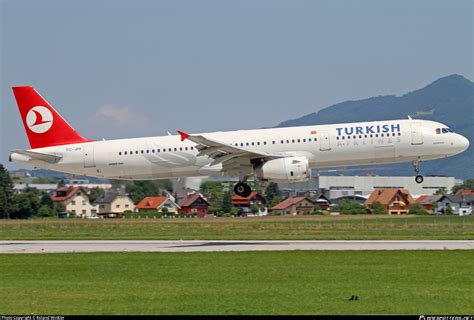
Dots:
pixel 416 166
pixel 242 189
pixel 419 179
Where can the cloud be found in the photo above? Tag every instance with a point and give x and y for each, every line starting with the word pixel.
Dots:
pixel 110 115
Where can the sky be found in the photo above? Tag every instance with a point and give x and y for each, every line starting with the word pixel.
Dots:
pixel 119 69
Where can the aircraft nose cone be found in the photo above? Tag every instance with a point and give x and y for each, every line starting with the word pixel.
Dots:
pixel 461 143
pixel 464 143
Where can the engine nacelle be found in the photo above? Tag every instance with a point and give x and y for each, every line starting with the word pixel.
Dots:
pixel 289 169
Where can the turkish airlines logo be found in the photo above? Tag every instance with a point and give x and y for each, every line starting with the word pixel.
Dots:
pixel 39 119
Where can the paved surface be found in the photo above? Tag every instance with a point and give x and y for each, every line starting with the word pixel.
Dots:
pixel 230 245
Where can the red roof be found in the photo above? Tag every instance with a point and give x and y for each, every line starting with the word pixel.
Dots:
pixel 151 202
pixel 464 192
pixel 384 196
pixel 422 198
pixel 289 202
pixel 243 200
pixel 190 199
pixel 70 192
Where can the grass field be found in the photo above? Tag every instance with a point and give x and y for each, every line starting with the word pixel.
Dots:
pixel 297 282
pixel 261 228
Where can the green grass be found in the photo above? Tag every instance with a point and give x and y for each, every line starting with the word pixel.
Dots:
pixel 297 282
pixel 263 228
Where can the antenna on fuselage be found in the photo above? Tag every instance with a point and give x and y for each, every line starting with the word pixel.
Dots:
pixel 409 117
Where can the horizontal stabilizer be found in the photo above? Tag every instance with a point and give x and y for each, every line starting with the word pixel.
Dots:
pixel 46 157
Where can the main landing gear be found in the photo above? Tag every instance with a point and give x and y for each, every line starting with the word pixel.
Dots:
pixel 416 166
pixel 242 189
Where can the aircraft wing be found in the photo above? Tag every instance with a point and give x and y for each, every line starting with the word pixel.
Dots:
pixel 51 158
pixel 231 157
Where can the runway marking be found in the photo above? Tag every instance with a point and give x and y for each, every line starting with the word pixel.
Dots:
pixel 69 246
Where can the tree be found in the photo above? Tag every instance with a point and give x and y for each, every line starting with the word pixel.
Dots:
pixel 6 192
pixel 95 193
pixel 417 209
pixel 272 191
pixel 46 200
pixel 46 211
pixel 468 184
pixel 441 191
pixel 377 208
pixel 141 189
pixel 214 192
pixel 350 207
pixel 275 201
pixel 317 209
pixel 227 202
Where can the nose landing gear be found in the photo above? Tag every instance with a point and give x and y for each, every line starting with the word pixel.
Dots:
pixel 416 166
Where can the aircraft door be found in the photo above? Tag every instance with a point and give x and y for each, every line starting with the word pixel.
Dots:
pixel 324 141
pixel 88 150
pixel 416 133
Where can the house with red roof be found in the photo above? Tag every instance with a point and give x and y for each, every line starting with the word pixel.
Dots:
pixel 157 204
pixel 75 200
pixel 428 201
pixel 395 201
pixel 294 206
pixel 245 204
pixel 194 204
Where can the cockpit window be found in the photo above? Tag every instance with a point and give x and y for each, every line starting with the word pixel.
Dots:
pixel 443 130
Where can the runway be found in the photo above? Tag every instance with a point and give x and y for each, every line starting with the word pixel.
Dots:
pixel 70 246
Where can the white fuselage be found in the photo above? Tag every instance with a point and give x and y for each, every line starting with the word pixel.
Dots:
pixel 332 145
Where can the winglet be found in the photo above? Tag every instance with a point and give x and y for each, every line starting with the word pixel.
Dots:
pixel 184 135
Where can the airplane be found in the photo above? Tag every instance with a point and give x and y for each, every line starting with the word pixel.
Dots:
pixel 276 154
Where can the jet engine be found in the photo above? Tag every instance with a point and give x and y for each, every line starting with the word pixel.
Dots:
pixel 290 169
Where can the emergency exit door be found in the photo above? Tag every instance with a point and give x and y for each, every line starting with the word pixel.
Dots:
pixel 324 141
pixel 89 156
pixel 416 133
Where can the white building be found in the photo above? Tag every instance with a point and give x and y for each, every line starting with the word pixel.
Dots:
pixel 112 202
pixel 456 203
pixel 75 200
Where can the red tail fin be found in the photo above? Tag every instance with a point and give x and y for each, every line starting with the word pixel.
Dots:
pixel 43 125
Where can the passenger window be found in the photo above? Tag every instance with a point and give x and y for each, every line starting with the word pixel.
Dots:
pixel 120 153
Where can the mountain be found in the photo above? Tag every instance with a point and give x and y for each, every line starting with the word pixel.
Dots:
pixel 449 100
